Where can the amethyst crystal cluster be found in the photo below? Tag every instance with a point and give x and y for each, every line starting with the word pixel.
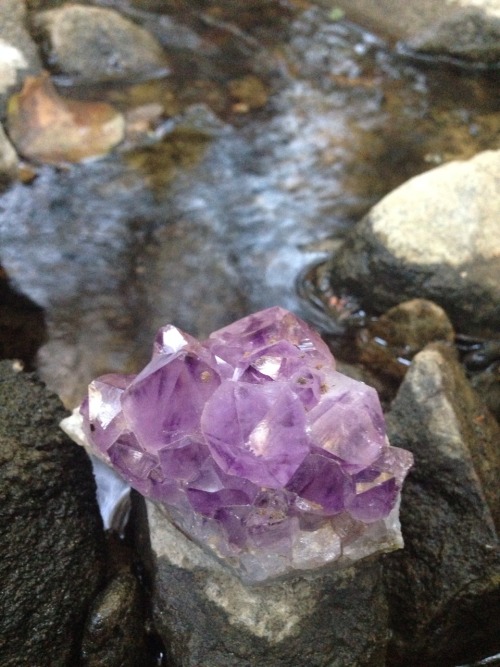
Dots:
pixel 255 445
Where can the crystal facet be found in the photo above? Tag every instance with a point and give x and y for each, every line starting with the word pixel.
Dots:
pixel 255 445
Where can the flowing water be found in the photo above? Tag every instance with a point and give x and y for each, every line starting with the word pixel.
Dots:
pixel 280 127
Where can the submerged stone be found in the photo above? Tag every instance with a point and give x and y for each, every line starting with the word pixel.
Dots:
pixel 47 128
pixel 255 445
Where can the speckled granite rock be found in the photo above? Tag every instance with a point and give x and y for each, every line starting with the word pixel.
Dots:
pixel 437 236
pixel 18 52
pixel 444 588
pixel 95 43
pixel 206 616
pixel 467 30
pixel 51 537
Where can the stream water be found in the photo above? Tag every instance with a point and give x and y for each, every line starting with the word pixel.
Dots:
pixel 280 128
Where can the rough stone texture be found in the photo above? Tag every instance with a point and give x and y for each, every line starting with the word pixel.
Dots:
pixel 437 236
pixel 487 385
pixel 97 44
pixel 8 158
pixel 444 588
pixel 18 53
pixel 115 626
pixel 468 33
pixel 390 341
pixel 51 537
pixel 78 130
pixel 206 616
pixel 465 29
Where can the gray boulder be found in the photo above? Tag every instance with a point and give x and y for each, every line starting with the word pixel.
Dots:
pixel 93 43
pixel 470 32
pixel 8 159
pixel 18 52
pixel 437 236
pixel 467 30
pixel 51 537
pixel 444 587
pixel 206 616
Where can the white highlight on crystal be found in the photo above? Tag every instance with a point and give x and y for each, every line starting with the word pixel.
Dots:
pixel 99 408
pixel 172 339
pixel 113 494
pixel 258 439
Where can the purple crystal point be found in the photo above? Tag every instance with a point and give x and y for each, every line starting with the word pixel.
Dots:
pixel 348 421
pixel 165 401
pixel 322 480
pixel 102 411
pixel 256 431
pixel 253 339
pixel 257 447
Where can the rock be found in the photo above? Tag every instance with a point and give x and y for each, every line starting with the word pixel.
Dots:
pixel 390 341
pixel 93 43
pixel 444 587
pixel 51 536
pixel 436 236
pixel 468 30
pixel 22 325
pixel 248 92
pixel 206 616
pixel 482 364
pixel 487 385
pixel 8 158
pixel 46 127
pixel 18 52
pixel 114 634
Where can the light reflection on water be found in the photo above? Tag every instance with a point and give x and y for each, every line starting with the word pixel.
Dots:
pixel 221 216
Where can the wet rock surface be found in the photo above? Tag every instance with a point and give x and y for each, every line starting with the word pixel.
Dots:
pixel 114 633
pixel 443 588
pixel 8 159
pixel 487 385
pixel 203 225
pixel 18 52
pixel 51 535
pixel 389 343
pixel 468 30
pixel 435 236
pixel 47 128
pixel 94 43
pixel 206 616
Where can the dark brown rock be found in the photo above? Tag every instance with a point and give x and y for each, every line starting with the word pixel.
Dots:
pixel 114 634
pixel 389 342
pixel 444 587
pixel 51 537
